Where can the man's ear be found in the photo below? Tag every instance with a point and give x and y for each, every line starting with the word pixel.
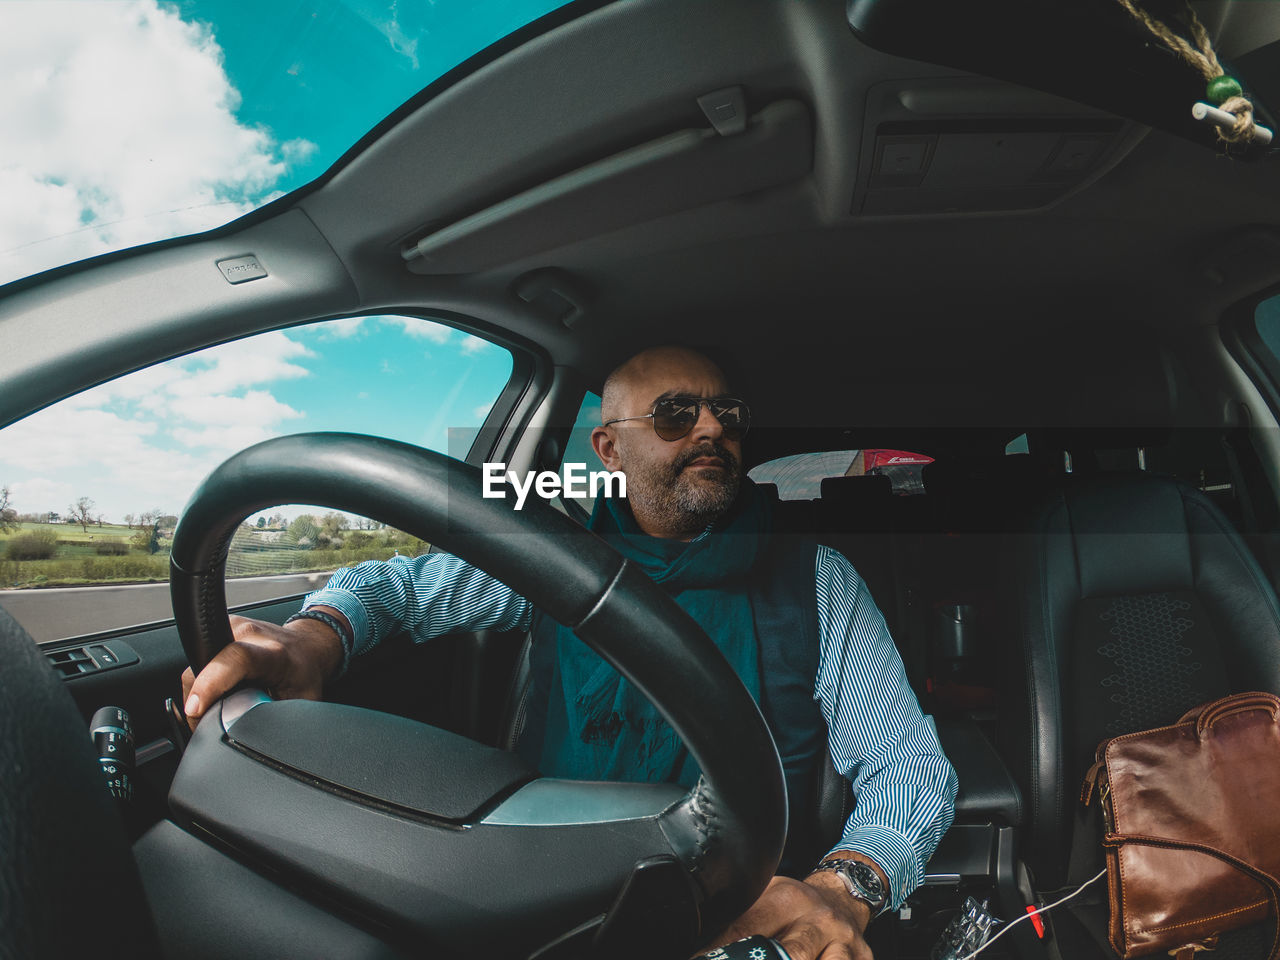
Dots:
pixel 605 445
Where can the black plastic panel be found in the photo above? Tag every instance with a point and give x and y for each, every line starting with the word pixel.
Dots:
pixel 73 662
pixel 386 758
pixel 967 851
pixel 209 907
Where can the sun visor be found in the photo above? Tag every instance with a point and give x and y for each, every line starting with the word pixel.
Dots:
pixel 685 169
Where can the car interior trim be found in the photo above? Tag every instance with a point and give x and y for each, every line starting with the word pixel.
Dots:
pixel 687 168
pixel 551 802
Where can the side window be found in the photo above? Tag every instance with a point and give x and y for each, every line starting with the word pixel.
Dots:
pixel 91 488
pixel 800 476
pixel 1267 322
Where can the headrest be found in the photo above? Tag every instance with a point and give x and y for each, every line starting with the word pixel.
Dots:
pixel 1113 517
pixel 856 489
pixel 1079 442
pixel 999 471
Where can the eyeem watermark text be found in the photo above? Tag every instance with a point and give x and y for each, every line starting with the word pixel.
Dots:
pixel 576 483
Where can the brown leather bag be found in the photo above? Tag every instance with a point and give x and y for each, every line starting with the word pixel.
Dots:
pixel 1192 836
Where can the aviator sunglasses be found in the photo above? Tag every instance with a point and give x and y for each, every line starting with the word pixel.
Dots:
pixel 673 417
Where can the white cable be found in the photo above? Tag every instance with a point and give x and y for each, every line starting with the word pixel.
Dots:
pixel 1031 913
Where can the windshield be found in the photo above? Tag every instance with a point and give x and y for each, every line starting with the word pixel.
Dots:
pixel 130 121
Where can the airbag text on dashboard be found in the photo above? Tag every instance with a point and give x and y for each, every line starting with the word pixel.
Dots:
pixel 242 269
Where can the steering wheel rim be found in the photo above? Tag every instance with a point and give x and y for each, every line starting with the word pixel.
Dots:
pixel 729 830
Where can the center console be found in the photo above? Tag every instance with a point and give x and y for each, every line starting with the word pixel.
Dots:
pixel 976 859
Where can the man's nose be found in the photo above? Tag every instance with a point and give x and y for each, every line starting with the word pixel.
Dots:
pixel 707 427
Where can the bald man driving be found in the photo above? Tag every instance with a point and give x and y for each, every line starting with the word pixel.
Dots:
pixel 793 618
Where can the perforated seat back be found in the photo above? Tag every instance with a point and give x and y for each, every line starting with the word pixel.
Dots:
pixel 1130 599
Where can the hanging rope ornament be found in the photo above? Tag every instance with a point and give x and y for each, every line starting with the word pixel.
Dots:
pixel 1228 108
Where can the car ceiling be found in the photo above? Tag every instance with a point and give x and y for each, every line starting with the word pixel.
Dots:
pixel 946 318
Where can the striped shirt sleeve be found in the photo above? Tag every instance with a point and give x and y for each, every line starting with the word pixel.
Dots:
pixel 903 785
pixel 426 596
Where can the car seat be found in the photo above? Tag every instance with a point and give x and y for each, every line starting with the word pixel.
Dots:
pixel 68 884
pixel 1129 599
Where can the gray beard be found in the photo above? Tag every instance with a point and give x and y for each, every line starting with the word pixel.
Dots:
pixel 669 498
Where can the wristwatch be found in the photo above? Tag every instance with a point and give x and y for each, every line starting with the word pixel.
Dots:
pixel 863 882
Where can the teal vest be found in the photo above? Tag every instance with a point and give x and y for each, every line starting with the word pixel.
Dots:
pixel 785 608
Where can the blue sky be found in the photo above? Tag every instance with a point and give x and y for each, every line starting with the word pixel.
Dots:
pixel 146 440
pixel 129 121
pixel 326 72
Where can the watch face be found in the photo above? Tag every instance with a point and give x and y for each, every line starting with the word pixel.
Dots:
pixel 866 878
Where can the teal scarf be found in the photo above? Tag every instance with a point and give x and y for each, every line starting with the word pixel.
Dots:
pixel 600 727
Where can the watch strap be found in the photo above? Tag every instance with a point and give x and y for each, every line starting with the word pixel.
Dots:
pixel 874 894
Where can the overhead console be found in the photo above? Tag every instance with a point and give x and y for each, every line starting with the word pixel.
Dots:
pixel 972 145
pixel 1091 51
pixel 682 170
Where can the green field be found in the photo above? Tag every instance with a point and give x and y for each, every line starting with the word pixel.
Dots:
pixel 253 553
pixel 72 531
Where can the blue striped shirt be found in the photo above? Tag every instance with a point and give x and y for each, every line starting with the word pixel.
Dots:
pixel 904 788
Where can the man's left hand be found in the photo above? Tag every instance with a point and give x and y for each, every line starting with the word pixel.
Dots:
pixel 813 920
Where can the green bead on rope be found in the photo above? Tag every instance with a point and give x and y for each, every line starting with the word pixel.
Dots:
pixel 1223 88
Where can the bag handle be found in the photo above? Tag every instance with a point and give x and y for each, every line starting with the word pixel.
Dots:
pixel 1207 714
pixel 1269 883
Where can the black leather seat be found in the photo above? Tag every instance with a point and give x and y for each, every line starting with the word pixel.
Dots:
pixel 1131 599
pixel 68 884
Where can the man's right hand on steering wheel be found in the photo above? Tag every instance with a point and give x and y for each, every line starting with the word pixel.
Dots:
pixel 291 662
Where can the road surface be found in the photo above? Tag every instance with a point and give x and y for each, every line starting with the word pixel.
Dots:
pixel 54 613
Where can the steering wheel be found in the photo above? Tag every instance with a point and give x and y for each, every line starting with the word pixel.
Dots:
pixel 439 838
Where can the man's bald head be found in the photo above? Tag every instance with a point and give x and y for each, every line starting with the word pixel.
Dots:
pixel 630 386
pixel 676 487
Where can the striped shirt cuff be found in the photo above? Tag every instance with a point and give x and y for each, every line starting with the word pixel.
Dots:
pixel 894 854
pixel 350 607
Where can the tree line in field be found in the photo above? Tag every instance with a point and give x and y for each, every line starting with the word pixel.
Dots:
pixel 81 512
pixel 38 550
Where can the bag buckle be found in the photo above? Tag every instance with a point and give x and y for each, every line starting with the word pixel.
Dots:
pixel 1189 950
pixel 1090 781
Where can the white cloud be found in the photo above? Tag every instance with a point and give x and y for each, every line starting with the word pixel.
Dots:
pixel 142 385
pixel 256 408
pixel 243 363
pixel 297 151
pixel 146 440
pixel 121 128
pixel 473 345
pixel 62 437
pixel 116 461
pixel 481 412
pixel 226 439
pixel 39 494
pixel 400 41
pixel 340 329
pixel 422 329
